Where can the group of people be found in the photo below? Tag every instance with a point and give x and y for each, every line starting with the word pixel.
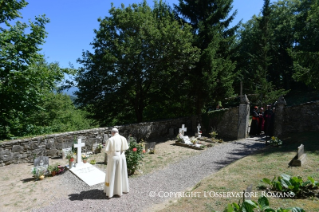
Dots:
pixel 262 121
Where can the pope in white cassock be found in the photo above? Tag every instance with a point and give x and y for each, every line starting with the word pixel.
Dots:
pixel 116 178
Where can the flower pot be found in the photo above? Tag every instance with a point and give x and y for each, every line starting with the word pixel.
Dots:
pixel 85 160
pixel 71 159
pixel 53 173
pixel 41 177
pixel 70 164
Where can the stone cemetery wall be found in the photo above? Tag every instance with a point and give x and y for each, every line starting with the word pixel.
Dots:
pixel 224 121
pixel 300 118
pixel 25 150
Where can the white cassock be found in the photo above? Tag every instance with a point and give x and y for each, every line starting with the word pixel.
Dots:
pixel 116 178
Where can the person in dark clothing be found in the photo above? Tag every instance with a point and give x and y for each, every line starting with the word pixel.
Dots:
pixel 269 121
pixel 261 120
pixel 254 122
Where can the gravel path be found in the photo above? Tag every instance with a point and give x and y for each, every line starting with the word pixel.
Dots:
pixel 174 178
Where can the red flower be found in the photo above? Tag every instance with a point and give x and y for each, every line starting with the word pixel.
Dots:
pixel 134 149
pixel 200 131
pixel 143 150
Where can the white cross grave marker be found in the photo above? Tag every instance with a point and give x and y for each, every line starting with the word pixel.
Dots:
pixel 79 145
pixel 198 130
pixel 183 129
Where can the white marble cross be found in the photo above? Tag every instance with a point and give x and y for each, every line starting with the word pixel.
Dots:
pixel 183 129
pixel 79 145
pixel 198 128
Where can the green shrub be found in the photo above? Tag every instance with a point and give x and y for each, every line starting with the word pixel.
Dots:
pixel 134 156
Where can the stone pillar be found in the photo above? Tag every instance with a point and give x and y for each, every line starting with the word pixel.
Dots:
pixel 243 117
pixel 279 116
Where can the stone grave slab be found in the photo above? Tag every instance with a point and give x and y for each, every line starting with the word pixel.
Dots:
pixel 187 143
pixel 300 157
pixel 89 174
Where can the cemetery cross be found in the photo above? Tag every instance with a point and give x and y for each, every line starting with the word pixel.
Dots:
pixel 79 145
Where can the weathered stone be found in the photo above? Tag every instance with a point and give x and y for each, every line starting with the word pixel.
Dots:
pixel 17 148
pixel 300 158
pixel 53 152
pixel 243 120
pixel 38 152
pixel 6 155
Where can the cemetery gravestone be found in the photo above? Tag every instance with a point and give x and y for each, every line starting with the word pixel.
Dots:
pixel 183 129
pixel 79 146
pixel 171 132
pixel 300 158
pixel 41 161
pixel 199 134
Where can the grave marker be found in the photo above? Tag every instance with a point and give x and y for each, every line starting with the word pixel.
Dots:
pixel 79 146
pixel 198 130
pixel 183 129
pixel 300 158
pixel 42 161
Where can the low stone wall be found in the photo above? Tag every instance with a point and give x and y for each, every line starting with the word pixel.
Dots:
pixel 25 150
pixel 300 118
pixel 225 122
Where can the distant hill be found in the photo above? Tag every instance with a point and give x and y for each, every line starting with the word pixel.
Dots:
pixel 70 91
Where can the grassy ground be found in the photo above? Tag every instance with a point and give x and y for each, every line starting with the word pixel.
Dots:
pixel 251 170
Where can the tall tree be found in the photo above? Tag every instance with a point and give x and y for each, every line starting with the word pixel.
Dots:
pixel 263 57
pixel 212 77
pixel 305 52
pixel 137 61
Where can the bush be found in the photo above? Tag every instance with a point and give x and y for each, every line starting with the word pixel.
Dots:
pixel 134 156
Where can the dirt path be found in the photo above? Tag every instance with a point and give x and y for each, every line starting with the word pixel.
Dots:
pixel 19 191
pixel 154 188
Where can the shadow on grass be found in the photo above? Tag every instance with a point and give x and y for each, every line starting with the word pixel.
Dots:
pixel 90 194
pixel 290 144
pixel 292 141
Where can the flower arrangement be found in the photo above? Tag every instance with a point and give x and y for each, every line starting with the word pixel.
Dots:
pixel 99 146
pixel 194 141
pixel 70 156
pixel 275 141
pixel 84 157
pixel 134 156
pixel 38 172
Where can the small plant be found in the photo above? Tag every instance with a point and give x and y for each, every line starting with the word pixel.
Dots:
pixel 213 134
pixel 295 185
pixel 194 141
pixel 134 156
pixel 37 172
pixel 99 146
pixel 93 162
pixel 70 156
pixel 261 205
pixel 179 138
pixel 275 141
pixel 220 141
pixel 84 157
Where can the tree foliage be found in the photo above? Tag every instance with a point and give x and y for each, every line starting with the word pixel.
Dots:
pixel 25 77
pixel 138 62
pixel 213 75
pixel 305 52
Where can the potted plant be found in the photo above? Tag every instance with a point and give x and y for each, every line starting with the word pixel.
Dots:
pixel 99 148
pixel 38 173
pixel 70 156
pixel 84 158
pixel 51 170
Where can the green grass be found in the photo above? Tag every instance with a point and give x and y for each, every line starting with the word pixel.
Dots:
pixel 267 163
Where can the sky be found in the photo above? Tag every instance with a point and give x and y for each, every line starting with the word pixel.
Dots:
pixel 72 22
